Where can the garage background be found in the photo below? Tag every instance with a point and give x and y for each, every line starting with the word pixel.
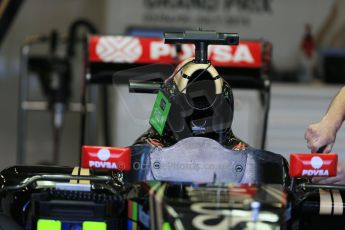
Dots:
pixel 294 104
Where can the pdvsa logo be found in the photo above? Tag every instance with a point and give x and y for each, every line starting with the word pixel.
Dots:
pixel 316 163
pixel 119 49
pixel 103 155
pixel 240 53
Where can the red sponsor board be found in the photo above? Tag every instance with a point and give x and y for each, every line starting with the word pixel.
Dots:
pixel 109 158
pixel 310 165
pixel 139 50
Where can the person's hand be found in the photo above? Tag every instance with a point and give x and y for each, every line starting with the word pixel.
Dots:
pixel 339 179
pixel 319 135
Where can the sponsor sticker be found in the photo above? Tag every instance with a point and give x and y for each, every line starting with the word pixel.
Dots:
pixel 111 158
pixel 310 165
pixel 160 112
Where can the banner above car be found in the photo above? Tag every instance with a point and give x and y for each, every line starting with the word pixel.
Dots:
pixel 140 50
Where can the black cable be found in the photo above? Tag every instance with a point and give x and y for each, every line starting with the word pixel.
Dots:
pixel 175 72
pixel 105 120
pixel 268 101
pixel 104 95
pixel 191 82
pixel 73 32
pixel 72 39
pixel 332 199
pixel 201 73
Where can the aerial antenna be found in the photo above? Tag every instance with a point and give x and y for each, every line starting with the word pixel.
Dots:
pixel 201 39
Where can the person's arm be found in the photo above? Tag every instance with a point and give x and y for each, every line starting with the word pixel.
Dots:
pixel 324 132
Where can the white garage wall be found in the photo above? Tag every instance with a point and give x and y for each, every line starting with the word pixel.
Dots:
pixel 293 108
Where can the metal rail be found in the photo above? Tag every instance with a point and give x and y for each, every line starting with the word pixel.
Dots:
pixel 33 179
pixel 322 186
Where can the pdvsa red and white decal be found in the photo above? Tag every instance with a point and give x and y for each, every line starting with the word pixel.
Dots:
pixel 118 49
pixel 139 50
pixel 309 165
pixel 112 158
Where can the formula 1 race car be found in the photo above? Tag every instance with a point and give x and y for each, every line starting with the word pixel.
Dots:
pixel 188 171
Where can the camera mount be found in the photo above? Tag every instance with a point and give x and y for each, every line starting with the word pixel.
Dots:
pixel 201 39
